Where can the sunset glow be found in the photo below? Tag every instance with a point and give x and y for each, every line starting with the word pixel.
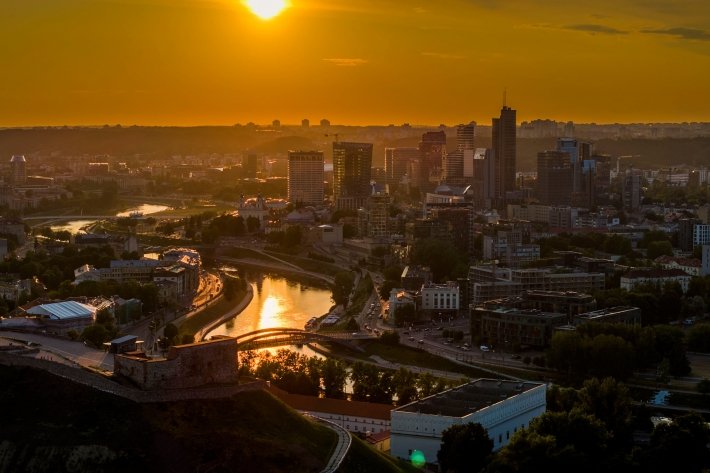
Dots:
pixel 266 9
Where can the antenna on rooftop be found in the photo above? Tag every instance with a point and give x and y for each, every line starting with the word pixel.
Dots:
pixel 505 96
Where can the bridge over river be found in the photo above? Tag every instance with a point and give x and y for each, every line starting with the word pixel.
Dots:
pixel 274 337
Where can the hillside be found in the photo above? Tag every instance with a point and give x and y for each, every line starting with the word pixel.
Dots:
pixel 53 425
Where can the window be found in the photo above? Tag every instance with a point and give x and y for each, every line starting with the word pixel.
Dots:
pixel 500 438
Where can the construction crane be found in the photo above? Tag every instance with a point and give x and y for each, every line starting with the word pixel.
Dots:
pixel 336 135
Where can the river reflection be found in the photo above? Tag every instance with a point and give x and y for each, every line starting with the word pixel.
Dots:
pixel 278 302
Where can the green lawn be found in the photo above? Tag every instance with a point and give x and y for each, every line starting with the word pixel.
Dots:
pixel 416 357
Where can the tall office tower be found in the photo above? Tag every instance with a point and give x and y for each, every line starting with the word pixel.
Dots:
pixel 685 232
pixel 397 161
pixel 455 163
pixel 249 166
pixel 305 177
pixel 431 150
pixel 19 170
pixel 378 216
pixel 305 123
pixel 579 152
pixel 465 135
pixel 554 178
pixel 504 151
pixel 351 174
pixel 631 193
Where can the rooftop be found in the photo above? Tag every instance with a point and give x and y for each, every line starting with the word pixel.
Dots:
pixel 63 310
pixel 468 398
pixel 302 402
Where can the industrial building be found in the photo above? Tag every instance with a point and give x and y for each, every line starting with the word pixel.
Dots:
pixel 501 407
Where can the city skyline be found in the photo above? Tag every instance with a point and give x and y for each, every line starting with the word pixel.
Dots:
pixel 213 62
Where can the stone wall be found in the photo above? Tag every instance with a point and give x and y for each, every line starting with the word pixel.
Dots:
pixel 186 366
pixel 102 383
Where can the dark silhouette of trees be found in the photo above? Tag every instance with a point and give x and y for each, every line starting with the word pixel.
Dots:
pixel 464 448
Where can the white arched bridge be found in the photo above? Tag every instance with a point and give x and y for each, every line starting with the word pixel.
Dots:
pixel 280 336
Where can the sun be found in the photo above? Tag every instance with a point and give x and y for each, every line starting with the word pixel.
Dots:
pixel 266 9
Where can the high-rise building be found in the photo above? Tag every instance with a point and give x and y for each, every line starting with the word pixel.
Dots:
pixel 305 177
pixel 432 149
pixel 686 226
pixel 397 161
pixel 351 174
pixel 19 170
pixel 504 151
pixel 554 178
pixel 305 123
pixel 249 166
pixel 455 163
pixel 631 194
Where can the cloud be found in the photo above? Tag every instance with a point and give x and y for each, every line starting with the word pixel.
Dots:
pixel 682 33
pixel 346 62
pixel 444 55
pixel 595 28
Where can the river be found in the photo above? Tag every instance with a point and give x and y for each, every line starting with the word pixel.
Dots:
pixel 277 302
pixel 78 226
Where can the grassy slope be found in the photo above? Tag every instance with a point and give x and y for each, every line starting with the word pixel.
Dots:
pixel 56 425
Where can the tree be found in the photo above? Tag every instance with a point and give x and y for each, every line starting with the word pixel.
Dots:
pixel 404 315
pixel 334 375
pixel 699 338
pixel 679 446
pixel 464 448
pixel 292 236
pixel 659 248
pixel 95 334
pixel 171 332
pixel 609 401
pixel 441 256
pixel 556 441
pixel 386 288
pixel 343 286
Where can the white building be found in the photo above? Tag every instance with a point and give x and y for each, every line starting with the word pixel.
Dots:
pixel 655 277
pixel 354 416
pixel 440 297
pixel 501 407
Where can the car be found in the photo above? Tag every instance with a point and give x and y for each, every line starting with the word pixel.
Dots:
pixel 515 357
pixel 421 341
pixel 354 334
pixel 411 339
pixel 485 348
pixel 405 333
pixel 465 348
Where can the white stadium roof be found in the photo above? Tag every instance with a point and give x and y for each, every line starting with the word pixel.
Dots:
pixel 63 310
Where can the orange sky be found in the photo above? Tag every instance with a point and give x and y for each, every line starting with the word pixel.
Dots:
pixel 190 62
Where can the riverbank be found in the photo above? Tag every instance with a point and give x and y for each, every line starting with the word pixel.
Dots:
pixel 245 301
pixel 216 313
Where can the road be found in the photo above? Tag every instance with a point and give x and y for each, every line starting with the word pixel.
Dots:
pixel 63 348
pixel 342 447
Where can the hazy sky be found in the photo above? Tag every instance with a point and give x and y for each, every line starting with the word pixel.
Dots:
pixel 189 62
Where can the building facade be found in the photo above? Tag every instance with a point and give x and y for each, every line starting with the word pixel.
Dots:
pixel 501 407
pixel 505 151
pixel 305 177
pixel 351 174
